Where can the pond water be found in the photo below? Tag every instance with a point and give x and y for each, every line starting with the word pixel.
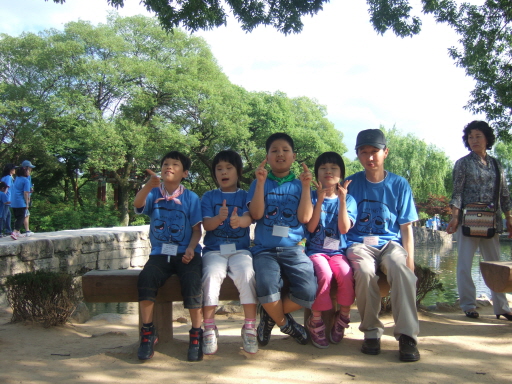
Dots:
pixel 442 259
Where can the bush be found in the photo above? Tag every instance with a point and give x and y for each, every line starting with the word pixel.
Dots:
pixel 43 296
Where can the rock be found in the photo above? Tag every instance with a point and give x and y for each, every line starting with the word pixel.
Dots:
pixel 182 320
pixel 446 307
pixel 81 314
pixel 226 309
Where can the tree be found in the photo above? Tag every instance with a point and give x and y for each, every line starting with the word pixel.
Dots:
pixel 285 16
pixel 486 55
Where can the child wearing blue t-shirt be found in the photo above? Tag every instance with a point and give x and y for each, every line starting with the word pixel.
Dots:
pixel 279 251
pixel 334 214
pixel 174 232
pixel 226 221
pixel 4 202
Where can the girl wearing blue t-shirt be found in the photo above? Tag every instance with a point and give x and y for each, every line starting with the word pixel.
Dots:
pixel 8 179
pixel 20 198
pixel 226 221
pixel 334 213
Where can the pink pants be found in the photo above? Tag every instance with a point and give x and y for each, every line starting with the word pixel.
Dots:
pixel 325 267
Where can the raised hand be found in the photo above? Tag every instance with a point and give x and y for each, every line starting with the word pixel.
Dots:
pixel 261 173
pixel 320 191
pixel 223 212
pixel 306 177
pixel 342 190
pixel 234 221
pixel 154 180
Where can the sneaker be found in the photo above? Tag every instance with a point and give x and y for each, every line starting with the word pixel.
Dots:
pixel 264 327
pixel 195 346
pixel 148 339
pixel 29 233
pixel 371 346
pixel 210 336
pixel 338 328
pixel 14 236
pixel 249 340
pixel 407 348
pixel 295 330
pixel 317 333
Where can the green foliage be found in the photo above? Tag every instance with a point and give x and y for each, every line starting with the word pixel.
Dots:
pixel 503 152
pixel 42 296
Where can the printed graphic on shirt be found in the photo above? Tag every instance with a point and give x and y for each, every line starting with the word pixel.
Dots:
pixel 281 209
pixel 329 230
pixel 224 230
pixel 373 217
pixel 170 225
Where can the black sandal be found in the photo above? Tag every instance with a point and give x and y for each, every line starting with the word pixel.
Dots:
pixel 472 314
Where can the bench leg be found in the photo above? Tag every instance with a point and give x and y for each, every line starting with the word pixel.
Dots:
pixel 162 319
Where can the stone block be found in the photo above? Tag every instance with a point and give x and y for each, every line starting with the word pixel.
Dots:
pixel 67 244
pixel 37 249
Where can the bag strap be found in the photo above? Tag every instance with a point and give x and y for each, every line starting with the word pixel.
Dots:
pixel 498 181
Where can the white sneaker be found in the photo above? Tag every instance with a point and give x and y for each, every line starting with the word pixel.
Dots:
pixel 249 340
pixel 210 341
pixel 29 233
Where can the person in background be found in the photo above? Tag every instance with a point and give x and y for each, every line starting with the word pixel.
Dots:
pixel 28 164
pixel 8 179
pixel 474 180
pixel 20 199
pixel 3 204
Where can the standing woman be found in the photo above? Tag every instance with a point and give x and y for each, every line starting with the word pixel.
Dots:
pixel 8 179
pixel 474 180
pixel 20 198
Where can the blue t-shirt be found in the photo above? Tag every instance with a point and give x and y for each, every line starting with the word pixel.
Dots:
pixel 211 203
pixel 381 208
pixel 281 204
pixel 328 225
pixel 171 222
pixel 3 200
pixel 21 185
pixel 9 181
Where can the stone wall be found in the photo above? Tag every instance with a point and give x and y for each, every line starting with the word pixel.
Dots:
pixel 73 251
pixel 424 235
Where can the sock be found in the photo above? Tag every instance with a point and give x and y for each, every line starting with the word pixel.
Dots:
pixel 209 323
pixel 316 318
pixel 147 325
pixel 284 325
pixel 249 323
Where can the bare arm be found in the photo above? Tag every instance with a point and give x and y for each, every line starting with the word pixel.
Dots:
pixel 408 243
pixel 257 205
pixel 194 240
pixel 153 182
pixel 305 209
pixel 240 221
pixel 344 222
pixel 211 223
pixel 317 210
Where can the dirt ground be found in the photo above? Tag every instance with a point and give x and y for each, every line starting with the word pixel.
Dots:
pixel 454 349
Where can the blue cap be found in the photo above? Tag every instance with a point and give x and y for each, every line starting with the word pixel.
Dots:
pixel 27 163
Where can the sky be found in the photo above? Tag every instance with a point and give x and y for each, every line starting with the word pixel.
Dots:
pixel 365 80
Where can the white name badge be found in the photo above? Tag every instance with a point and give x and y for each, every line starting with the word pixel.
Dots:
pixel 279 230
pixel 371 240
pixel 169 249
pixel 227 249
pixel 331 243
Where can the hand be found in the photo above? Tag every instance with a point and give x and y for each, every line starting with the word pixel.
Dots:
pixel 188 256
pixel 261 173
pixel 342 190
pixel 306 177
pixel 234 221
pixel 452 225
pixel 154 180
pixel 223 212
pixel 320 192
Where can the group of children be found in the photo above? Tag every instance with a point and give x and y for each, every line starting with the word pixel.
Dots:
pixel 299 240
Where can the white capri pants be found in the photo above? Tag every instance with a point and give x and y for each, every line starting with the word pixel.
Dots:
pixel 238 266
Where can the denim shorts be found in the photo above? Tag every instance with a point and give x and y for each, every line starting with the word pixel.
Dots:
pixel 292 263
pixel 157 270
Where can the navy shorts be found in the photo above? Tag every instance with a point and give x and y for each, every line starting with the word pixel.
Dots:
pixel 157 270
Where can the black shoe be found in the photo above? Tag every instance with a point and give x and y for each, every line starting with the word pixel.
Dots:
pixel 148 338
pixel 371 346
pixel 472 314
pixel 295 330
pixel 195 346
pixel 264 327
pixel 408 349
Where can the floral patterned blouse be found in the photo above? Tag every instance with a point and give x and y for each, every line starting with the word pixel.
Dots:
pixel 475 182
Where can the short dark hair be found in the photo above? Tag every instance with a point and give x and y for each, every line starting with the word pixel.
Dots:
pixel 480 126
pixel 7 169
pixel 2 186
pixel 185 160
pixel 279 136
pixel 231 157
pixel 22 171
pixel 330 157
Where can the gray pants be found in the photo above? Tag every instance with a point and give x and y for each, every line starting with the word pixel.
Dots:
pixel 490 250
pixel 365 261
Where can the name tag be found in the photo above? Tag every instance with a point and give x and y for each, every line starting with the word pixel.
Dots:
pixel 279 230
pixel 227 249
pixel 371 240
pixel 331 243
pixel 170 249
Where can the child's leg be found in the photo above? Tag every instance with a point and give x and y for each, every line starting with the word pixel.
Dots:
pixel 196 317
pixel 146 311
pixel 345 279
pixel 323 274
pixel 214 272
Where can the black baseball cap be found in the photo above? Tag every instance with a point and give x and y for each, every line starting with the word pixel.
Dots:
pixel 373 137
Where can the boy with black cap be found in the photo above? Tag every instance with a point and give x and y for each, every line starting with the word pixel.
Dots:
pixel 382 238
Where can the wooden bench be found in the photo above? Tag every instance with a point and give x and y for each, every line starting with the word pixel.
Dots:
pixel 497 275
pixel 118 286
